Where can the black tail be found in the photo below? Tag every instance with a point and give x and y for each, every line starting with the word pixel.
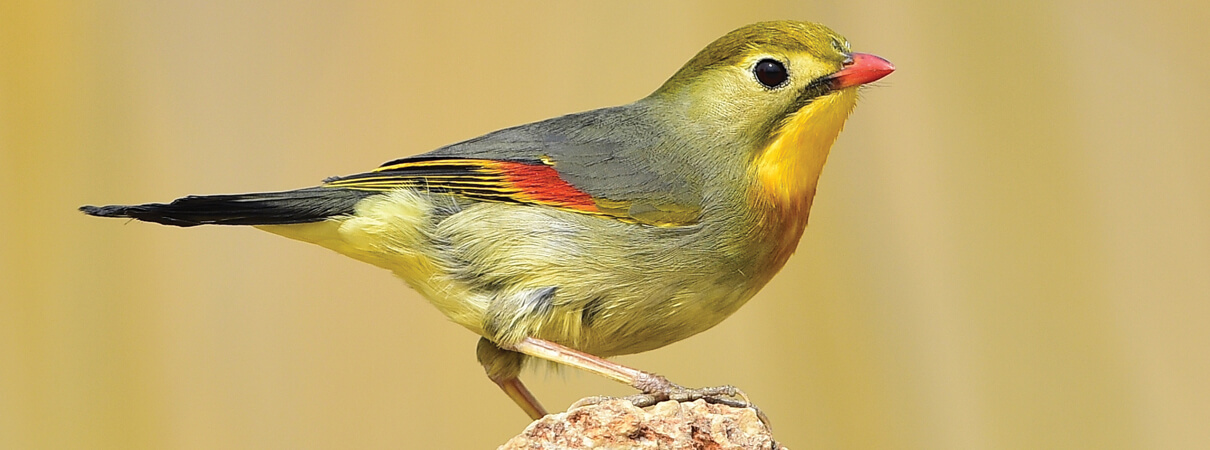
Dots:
pixel 266 208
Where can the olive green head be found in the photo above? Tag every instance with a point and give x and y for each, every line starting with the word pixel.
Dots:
pixel 756 75
pixel 818 49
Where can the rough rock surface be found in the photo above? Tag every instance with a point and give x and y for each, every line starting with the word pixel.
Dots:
pixel 617 424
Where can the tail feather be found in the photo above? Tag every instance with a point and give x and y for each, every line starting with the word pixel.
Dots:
pixel 265 208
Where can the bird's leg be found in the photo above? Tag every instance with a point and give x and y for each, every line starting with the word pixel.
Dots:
pixel 502 368
pixel 655 388
pixel 521 395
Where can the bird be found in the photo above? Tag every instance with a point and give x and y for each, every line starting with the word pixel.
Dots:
pixel 600 233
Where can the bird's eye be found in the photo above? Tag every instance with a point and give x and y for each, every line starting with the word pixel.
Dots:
pixel 770 72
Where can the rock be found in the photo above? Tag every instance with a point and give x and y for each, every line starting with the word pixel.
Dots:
pixel 617 424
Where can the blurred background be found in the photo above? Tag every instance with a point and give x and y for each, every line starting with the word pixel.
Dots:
pixel 1010 247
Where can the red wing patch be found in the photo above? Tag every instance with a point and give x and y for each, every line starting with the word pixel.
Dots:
pixel 483 179
pixel 542 184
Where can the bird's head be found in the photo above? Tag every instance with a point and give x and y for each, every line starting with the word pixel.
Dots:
pixel 755 78
pixel 779 91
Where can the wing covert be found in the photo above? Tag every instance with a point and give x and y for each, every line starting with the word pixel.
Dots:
pixel 607 162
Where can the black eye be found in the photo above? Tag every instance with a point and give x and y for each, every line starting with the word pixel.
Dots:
pixel 770 72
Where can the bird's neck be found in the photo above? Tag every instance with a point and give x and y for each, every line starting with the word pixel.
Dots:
pixel 787 170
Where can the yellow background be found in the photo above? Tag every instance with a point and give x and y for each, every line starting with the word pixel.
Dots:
pixel 1010 247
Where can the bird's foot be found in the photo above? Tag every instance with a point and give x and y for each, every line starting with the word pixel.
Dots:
pixel 657 389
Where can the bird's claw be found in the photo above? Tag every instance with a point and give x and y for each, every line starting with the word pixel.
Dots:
pixel 659 389
pixel 589 401
pixel 722 395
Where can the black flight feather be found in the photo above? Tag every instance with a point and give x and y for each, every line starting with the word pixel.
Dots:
pixel 265 208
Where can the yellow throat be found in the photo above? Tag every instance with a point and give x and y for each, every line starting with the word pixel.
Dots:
pixel 788 169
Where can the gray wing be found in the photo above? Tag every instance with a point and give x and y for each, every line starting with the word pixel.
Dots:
pixel 617 155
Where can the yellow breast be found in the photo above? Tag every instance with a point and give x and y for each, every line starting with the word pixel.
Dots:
pixel 788 170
